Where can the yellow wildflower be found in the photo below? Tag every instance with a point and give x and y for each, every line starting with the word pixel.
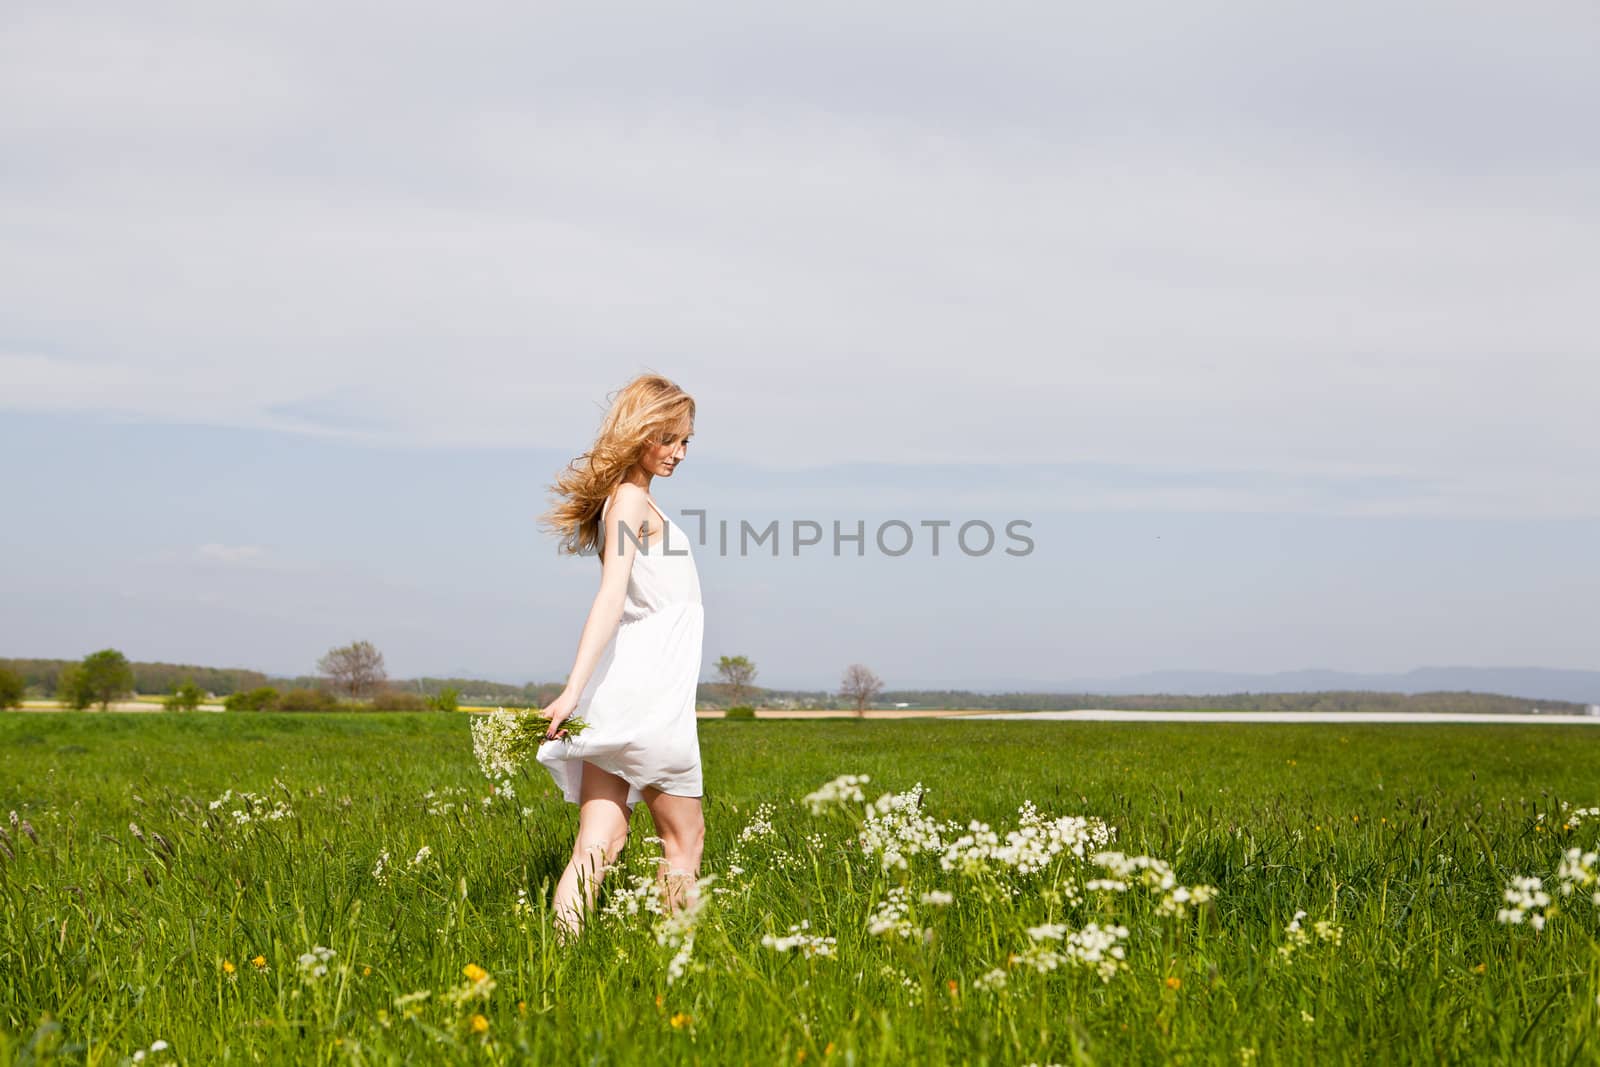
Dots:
pixel 474 972
pixel 828 1051
pixel 366 972
pixel 259 963
pixel 680 1020
pixel 1173 982
pixel 479 1024
pixel 228 967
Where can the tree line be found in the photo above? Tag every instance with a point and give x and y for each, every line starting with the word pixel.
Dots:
pixel 354 674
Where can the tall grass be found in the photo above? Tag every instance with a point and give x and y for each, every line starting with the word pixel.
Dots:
pixel 136 914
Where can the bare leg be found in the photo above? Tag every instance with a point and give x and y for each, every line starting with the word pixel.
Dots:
pixel 681 824
pixel 602 831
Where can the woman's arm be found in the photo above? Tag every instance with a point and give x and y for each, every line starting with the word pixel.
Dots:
pixel 628 510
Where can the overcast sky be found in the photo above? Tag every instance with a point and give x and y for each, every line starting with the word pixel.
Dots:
pixel 1276 322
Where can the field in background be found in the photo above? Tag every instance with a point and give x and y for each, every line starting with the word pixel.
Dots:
pixel 178 874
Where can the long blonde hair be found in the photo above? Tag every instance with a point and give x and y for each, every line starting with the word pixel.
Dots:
pixel 641 412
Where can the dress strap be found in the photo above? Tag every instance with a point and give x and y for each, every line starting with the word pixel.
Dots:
pixel 606 507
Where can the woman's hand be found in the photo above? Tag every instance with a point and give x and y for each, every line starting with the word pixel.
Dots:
pixel 559 710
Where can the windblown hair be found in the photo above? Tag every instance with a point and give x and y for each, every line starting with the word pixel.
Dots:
pixel 641 412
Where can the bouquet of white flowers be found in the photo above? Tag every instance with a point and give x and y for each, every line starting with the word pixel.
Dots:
pixel 505 740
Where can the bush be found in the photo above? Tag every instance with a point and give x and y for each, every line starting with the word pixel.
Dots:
pixel 398 700
pixel 12 689
pixel 185 697
pixel 740 711
pixel 70 688
pixel 447 699
pixel 306 700
pixel 251 699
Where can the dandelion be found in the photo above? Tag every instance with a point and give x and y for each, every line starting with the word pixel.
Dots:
pixel 480 1025
pixel 680 1020
pixel 259 963
pixel 230 970
pixel 475 973
pixel 1173 982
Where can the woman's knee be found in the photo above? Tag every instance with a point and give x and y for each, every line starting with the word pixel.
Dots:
pixel 684 844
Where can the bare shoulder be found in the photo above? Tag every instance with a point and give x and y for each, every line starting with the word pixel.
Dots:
pixel 630 509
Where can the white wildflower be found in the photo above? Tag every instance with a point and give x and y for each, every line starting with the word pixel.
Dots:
pixel 798 938
pixel 845 789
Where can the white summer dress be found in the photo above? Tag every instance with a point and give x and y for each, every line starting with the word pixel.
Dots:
pixel 639 703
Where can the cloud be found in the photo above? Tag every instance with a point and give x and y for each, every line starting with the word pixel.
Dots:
pixel 233 555
pixel 1273 245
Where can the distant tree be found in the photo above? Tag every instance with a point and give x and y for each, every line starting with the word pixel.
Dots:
pixel 69 688
pixel 860 685
pixel 105 676
pixel 737 673
pixel 185 696
pixel 447 699
pixel 258 699
pixel 12 689
pixel 355 669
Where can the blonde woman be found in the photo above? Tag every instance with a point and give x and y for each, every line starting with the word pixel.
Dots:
pixel 638 662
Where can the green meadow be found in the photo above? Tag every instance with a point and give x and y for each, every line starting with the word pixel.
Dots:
pixel 348 888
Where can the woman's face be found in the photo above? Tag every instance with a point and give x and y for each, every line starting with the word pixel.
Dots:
pixel 662 456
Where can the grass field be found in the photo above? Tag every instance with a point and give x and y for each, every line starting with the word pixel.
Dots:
pixel 212 883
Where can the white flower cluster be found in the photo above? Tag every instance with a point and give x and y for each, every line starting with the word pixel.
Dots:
pixel 845 789
pixel 1527 900
pixel 808 944
pixel 157 1047
pixel 421 857
pixel 676 931
pixel 380 870
pixel 938 897
pixel 760 825
pixel 993 980
pixel 1097 947
pixel 506 741
pixel 1030 847
pixel 895 828
pixel 1579 872
pixel 1572 817
pixel 438 804
pixel 1296 936
pixel 314 964
pixel 250 808
pixel 893 916
pixel 1148 872
pixel 643 895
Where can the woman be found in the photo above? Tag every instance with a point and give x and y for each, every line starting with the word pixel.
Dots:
pixel 638 662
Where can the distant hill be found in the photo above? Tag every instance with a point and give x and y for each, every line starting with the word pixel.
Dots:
pixel 1533 683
